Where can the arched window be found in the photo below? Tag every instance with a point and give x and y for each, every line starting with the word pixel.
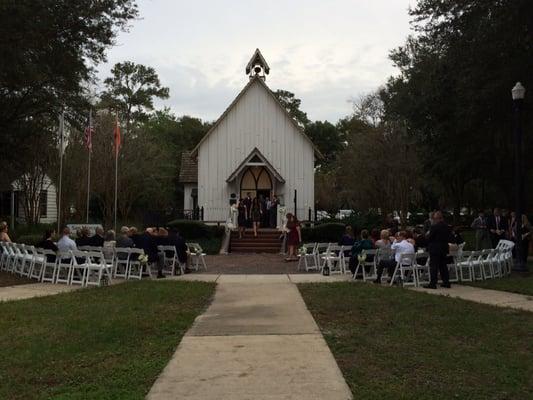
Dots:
pixel 256 181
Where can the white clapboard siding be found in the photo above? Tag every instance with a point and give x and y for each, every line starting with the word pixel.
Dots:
pixel 256 120
pixel 51 203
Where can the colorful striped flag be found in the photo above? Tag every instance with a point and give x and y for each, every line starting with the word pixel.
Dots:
pixel 89 130
pixel 117 137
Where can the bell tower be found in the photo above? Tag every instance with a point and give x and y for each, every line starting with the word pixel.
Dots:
pixel 257 66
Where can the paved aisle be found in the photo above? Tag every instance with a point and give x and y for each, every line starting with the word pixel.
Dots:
pixel 257 340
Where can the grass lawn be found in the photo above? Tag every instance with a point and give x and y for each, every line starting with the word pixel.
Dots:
pixel 516 283
pixel 9 279
pixel 393 343
pixel 101 343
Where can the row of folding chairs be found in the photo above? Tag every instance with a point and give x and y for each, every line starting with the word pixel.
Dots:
pixel 316 256
pixel 74 267
pixel 411 269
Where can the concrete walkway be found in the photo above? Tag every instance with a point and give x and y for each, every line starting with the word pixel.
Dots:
pixel 256 341
pixel 485 296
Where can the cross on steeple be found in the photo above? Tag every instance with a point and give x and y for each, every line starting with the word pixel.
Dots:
pixel 257 66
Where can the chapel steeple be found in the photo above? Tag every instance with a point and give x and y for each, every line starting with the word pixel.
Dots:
pixel 257 66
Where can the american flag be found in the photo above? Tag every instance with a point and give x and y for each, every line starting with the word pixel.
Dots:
pixel 116 136
pixel 89 131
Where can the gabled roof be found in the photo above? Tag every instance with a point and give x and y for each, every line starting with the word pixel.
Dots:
pixel 255 157
pixel 189 168
pixel 256 78
pixel 257 58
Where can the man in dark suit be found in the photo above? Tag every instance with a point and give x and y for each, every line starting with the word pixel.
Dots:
pixel 497 226
pixel 98 239
pixel 176 240
pixel 439 237
pixel 147 242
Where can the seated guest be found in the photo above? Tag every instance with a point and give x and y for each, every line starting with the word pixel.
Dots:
pixel 384 241
pixel 347 239
pixel 400 246
pixel 147 242
pixel 4 237
pixel 98 239
pixel 456 236
pixel 421 241
pixel 409 236
pixel 135 237
pixel 82 238
pixel 364 244
pixel 48 244
pixel 124 240
pixel 109 244
pixel 161 236
pixel 374 236
pixel 176 240
pixel 65 243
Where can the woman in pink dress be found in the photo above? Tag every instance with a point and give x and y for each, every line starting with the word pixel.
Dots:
pixel 294 236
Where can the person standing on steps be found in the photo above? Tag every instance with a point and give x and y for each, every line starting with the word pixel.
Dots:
pixel 256 214
pixel 248 207
pixel 241 218
pixel 439 237
pixel 273 212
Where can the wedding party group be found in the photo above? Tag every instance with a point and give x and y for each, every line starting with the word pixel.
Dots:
pixel 257 212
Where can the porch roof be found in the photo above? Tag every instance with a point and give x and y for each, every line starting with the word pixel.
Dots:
pixel 258 159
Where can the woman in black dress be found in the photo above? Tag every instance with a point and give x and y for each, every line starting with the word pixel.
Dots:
pixel 256 214
pixel 241 218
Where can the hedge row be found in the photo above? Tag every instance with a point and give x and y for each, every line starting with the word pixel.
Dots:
pixel 330 232
pixel 196 229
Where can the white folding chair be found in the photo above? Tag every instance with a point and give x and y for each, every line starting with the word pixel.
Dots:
pixel 19 260
pixel 64 267
pixel 37 262
pixel 50 266
pixel 80 265
pixel 307 259
pixel 486 263
pixel 135 267
pixel 197 255
pixel 405 270
pixel 26 263
pixel 464 264
pixel 453 267
pixel 334 259
pixel 168 258
pixel 421 267
pixel 4 256
pixel 320 250
pixel 98 270
pixel 367 261
pixel 122 262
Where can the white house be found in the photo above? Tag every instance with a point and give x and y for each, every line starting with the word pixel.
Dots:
pixel 256 147
pixel 11 202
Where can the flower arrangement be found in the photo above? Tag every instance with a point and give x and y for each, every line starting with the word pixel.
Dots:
pixel 143 259
pixel 361 257
pixel 302 251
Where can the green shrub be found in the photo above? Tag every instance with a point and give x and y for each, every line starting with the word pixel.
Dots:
pixel 30 240
pixel 330 232
pixel 193 229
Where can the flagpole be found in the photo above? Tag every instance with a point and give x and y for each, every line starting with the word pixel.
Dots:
pixel 61 150
pixel 117 146
pixel 88 187
pixel 116 187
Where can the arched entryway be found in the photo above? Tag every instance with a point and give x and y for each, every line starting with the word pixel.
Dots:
pixel 256 180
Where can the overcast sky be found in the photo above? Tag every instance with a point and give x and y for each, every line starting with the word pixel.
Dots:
pixel 325 51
